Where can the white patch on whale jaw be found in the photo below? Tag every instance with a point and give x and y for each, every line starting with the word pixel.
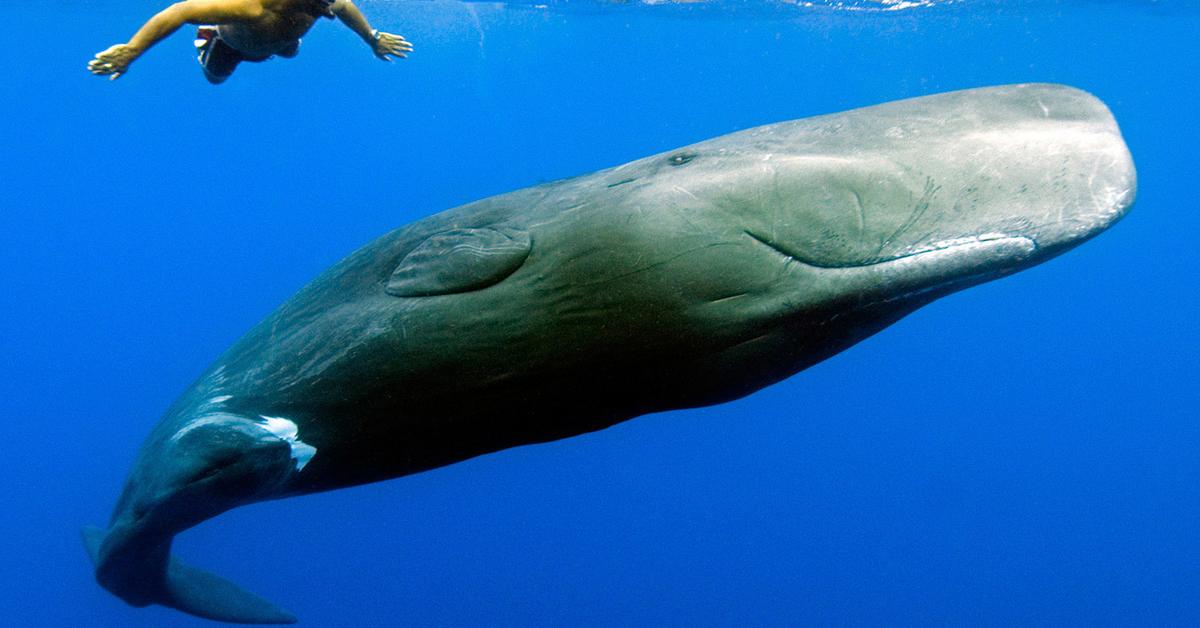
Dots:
pixel 262 428
pixel 287 430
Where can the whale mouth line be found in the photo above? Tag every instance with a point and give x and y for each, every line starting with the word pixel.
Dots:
pixel 1024 245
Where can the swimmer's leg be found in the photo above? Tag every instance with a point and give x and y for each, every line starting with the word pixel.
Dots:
pixel 217 59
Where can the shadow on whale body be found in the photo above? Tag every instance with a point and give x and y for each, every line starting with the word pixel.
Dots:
pixel 684 279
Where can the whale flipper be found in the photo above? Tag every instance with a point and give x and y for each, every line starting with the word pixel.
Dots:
pixel 203 594
pixel 460 260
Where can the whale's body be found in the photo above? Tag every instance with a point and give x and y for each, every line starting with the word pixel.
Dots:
pixel 687 278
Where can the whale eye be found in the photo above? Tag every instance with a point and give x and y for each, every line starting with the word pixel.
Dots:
pixel 678 159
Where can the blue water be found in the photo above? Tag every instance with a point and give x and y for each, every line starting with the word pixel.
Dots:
pixel 1022 453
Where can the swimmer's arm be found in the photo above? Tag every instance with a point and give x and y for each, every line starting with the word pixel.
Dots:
pixel 194 12
pixel 381 43
pixel 116 59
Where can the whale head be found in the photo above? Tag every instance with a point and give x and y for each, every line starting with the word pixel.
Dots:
pixel 920 193
pixel 807 236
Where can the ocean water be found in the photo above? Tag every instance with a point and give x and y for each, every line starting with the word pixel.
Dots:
pixel 1022 453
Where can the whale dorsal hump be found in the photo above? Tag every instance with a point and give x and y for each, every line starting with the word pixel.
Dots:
pixel 459 260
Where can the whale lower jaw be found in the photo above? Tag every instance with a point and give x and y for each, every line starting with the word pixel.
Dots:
pixel 941 267
pixel 954 266
pixel 974 248
pixel 939 270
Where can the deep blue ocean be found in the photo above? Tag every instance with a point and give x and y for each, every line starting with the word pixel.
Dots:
pixel 1026 452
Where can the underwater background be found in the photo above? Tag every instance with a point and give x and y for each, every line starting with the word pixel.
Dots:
pixel 1026 452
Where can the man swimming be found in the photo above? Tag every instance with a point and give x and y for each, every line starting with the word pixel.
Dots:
pixel 245 30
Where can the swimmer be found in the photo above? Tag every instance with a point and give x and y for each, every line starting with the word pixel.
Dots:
pixel 232 31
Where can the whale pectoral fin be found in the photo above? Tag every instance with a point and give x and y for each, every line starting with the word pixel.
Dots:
pixel 460 260
pixel 201 593
pixel 92 538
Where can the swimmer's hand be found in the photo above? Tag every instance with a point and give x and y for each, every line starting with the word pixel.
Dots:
pixel 113 62
pixel 389 44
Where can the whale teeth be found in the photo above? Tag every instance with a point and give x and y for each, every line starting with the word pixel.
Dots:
pixel 287 430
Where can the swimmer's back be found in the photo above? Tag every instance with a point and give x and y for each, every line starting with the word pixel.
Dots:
pixel 282 23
